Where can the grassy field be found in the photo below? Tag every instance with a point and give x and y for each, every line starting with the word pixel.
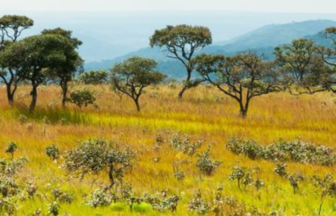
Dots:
pixel 204 113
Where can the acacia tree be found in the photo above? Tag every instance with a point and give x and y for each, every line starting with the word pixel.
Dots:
pixel 133 75
pixel 182 42
pixel 34 55
pixel 11 28
pixel 65 72
pixel 241 77
pixel 303 70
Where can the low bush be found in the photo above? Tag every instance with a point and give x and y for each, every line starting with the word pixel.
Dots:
pixel 294 151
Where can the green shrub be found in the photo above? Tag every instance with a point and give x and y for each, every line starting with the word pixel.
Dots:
pixel 82 98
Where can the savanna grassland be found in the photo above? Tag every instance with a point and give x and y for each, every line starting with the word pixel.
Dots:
pixel 203 114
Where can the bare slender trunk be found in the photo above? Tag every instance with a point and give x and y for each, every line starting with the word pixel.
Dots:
pixel 33 93
pixel 185 87
pixel 136 101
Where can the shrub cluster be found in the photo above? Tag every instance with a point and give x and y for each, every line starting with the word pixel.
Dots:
pixel 295 151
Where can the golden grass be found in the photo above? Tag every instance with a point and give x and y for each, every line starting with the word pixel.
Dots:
pixel 203 113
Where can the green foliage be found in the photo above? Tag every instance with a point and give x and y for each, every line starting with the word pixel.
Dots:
pixel 183 143
pixel 11 148
pixel 95 156
pixel 133 75
pixel 53 208
pixel 61 196
pixel 205 164
pixel 52 151
pixel 94 77
pixel 100 197
pixel 296 151
pixel 280 169
pixel 163 202
pixel 240 173
pixel 241 77
pixel 182 42
pixel 82 98
pixel 199 205
pixel 303 70
pixel 294 180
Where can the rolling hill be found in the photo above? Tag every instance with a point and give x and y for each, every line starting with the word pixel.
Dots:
pixel 262 40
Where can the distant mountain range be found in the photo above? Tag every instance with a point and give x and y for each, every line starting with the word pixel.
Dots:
pixel 262 40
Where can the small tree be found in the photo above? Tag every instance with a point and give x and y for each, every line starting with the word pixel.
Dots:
pixel 11 28
pixel 133 75
pixel 82 98
pixel 94 77
pixel 294 180
pixel 241 77
pixel 326 187
pixel 11 149
pixel 182 42
pixel 95 156
pixel 238 173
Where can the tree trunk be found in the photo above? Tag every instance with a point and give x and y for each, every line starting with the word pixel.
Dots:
pixel 136 101
pixel 180 95
pixel 111 174
pixel 243 110
pixel 10 94
pixel 34 98
pixel 64 94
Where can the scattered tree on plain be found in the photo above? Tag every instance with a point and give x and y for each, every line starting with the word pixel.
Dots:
pixel 241 77
pixel 65 72
pixel 303 70
pixel 11 28
pixel 133 75
pixel 182 42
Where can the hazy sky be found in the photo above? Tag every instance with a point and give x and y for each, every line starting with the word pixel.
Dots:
pixel 304 6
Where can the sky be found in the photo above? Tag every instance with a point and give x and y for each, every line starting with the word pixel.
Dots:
pixel 296 6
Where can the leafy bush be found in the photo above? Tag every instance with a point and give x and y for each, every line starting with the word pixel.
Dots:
pixel 205 164
pixel 296 151
pixel 183 144
pixel 11 148
pixel 198 204
pixel 62 196
pixel 280 169
pixel 161 202
pixel 82 98
pixel 100 197
pixel 52 151
pixel 94 156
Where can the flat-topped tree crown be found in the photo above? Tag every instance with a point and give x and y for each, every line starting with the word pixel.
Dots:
pixel 13 25
pixel 181 42
pixel 11 28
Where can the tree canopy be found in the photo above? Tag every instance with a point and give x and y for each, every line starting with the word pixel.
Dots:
pixel 182 42
pixel 303 70
pixel 241 77
pixel 133 75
